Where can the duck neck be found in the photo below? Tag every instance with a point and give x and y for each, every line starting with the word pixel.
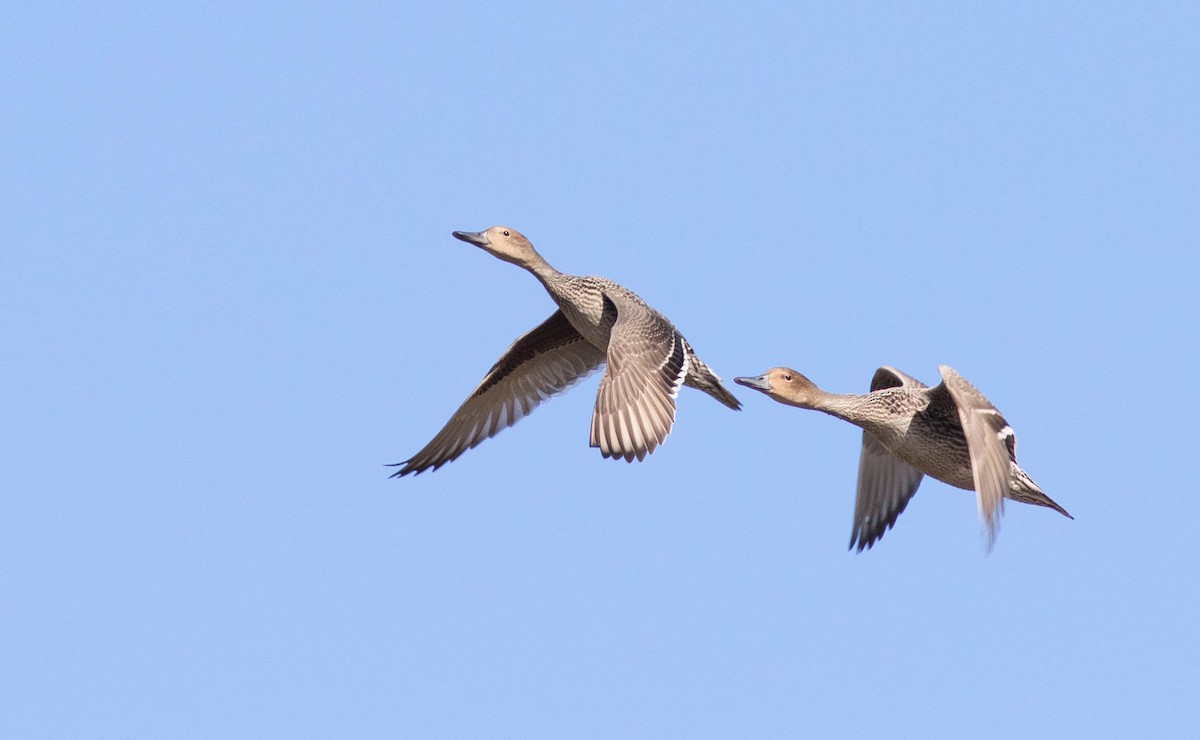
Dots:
pixel 852 407
pixel 546 275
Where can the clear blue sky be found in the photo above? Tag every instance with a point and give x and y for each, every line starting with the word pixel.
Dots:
pixel 230 295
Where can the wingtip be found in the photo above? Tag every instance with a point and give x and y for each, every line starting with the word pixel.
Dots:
pixel 402 471
pixel 862 543
pixel 991 532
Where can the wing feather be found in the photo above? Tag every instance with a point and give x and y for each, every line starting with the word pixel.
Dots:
pixel 990 442
pixel 543 362
pixel 885 482
pixel 635 405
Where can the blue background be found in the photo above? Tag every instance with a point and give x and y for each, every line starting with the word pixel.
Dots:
pixel 229 295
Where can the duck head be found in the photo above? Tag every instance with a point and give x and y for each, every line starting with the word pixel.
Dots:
pixel 784 385
pixel 506 243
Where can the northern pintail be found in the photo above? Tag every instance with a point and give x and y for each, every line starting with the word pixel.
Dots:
pixel 951 432
pixel 597 321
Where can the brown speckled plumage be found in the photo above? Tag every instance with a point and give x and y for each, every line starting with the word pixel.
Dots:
pixel 597 322
pixel 950 432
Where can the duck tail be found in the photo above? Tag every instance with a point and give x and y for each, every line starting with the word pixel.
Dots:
pixel 700 377
pixel 1023 489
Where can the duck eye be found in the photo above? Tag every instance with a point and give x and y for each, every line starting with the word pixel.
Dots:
pixel 506 233
pixel 788 376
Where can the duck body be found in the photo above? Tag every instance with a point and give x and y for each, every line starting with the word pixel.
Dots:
pixel 590 304
pixel 598 322
pixel 950 432
pixel 921 427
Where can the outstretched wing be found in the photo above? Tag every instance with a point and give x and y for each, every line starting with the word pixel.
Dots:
pixel 545 361
pixel 991 443
pixel 647 362
pixel 885 482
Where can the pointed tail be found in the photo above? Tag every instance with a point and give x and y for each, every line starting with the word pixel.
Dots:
pixel 1023 489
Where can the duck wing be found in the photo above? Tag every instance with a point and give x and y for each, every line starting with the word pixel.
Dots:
pixel 543 362
pixel 647 362
pixel 885 482
pixel 992 446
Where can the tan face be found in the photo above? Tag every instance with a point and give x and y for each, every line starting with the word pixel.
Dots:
pixel 502 241
pixel 781 383
pixel 501 237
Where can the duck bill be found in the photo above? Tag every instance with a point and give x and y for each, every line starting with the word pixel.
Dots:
pixel 759 384
pixel 478 238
